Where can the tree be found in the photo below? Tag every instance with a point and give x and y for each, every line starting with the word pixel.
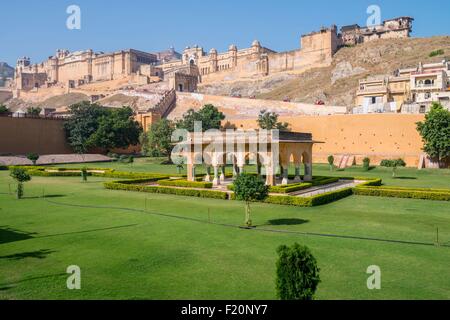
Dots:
pixel 116 129
pixel 3 109
pixel 366 164
pixel 209 116
pixel 250 188
pixel 91 125
pixel 33 157
pixel 435 132
pixel 393 164
pixel 34 111
pixel 158 140
pixel 82 123
pixel 269 121
pixel 297 273
pixel 84 174
pixel 331 162
pixel 21 176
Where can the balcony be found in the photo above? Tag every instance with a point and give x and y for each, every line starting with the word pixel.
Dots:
pixel 372 89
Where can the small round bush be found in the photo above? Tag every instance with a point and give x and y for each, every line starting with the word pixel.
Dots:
pixel 366 164
pixel 297 273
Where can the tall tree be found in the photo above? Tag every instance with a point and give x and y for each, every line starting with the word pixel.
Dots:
pixel 158 140
pixel 269 121
pixel 20 175
pixel 209 116
pixel 435 132
pixel 82 123
pixel 250 188
pixel 116 129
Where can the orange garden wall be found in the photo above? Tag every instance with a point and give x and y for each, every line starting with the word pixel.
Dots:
pixel 20 136
pixel 377 136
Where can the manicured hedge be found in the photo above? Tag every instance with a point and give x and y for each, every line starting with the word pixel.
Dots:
pixel 317 200
pixel 186 184
pixel 120 185
pixel 321 181
pixel 2 168
pixel 43 173
pixel 290 188
pixel 76 172
pixel 402 193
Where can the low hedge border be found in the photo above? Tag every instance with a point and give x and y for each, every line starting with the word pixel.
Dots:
pixel 132 186
pixel 290 188
pixel 402 193
pixel 186 184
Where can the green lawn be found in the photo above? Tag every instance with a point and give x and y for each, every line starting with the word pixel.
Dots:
pixel 127 252
pixel 408 177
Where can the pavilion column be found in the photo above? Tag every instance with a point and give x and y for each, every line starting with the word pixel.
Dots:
pixel 298 177
pixel 191 172
pixel 308 172
pixel 285 175
pixel 216 180
pixel 208 174
pixel 222 174
pixel 235 170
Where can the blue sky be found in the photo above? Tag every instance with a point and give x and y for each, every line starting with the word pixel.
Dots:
pixel 38 28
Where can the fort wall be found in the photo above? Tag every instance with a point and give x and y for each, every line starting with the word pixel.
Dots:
pixel 20 136
pixel 377 136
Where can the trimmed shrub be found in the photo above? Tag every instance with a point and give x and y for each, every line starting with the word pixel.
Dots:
pixel 290 188
pixel 366 164
pixel 331 162
pixel 297 273
pixel 402 193
pixel 2 167
pixel 321 181
pixel 186 184
pixel 133 186
pixel 329 197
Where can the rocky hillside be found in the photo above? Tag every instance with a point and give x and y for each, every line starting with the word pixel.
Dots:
pixel 337 84
pixel 6 71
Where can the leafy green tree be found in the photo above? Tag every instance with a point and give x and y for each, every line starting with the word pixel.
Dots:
pixel 297 273
pixel 331 162
pixel 250 188
pixel 82 123
pixel 21 176
pixel 116 129
pixel 435 132
pixel 158 140
pixel 269 121
pixel 33 157
pixel 209 116
pixel 3 109
pixel 34 111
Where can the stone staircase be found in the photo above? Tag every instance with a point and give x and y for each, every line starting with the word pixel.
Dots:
pixel 344 161
pixel 166 104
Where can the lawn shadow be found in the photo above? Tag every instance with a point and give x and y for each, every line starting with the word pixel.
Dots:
pixel 39 254
pixel 406 178
pixel 47 196
pixel 286 222
pixel 11 285
pixel 8 235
